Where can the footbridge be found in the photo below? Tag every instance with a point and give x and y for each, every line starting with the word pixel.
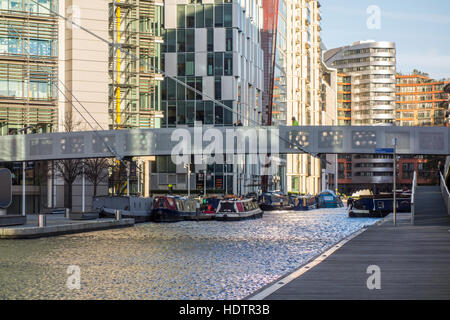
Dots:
pixel 233 140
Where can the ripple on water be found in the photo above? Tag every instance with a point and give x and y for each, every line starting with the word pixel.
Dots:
pixel 185 260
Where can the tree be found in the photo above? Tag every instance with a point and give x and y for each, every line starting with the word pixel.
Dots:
pixel 96 170
pixel 69 169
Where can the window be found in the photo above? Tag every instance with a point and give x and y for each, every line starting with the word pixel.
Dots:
pixel 228 115
pixel 228 64
pixel 190 16
pixel 199 17
pixel 181 13
pixel 200 112
pixel 209 112
pixel 181 64
pixel 229 40
pixel 218 15
pixel 171 89
pixel 190 113
pixel 228 15
pixel 190 94
pixel 181 112
pixel 181 90
pixel 210 39
pixel 218 114
pixel 190 40
pixel 171 114
pixel 199 87
pixel 171 40
pixel 217 88
pixel 218 63
pixel 209 15
pixel 190 64
pixel 181 42
pixel 210 64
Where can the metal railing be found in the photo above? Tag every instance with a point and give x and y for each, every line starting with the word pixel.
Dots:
pixel 445 193
pixel 413 197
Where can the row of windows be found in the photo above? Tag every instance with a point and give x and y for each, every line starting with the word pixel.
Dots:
pixel 207 15
pixel 187 112
pixel 43 7
pixel 183 40
pixel 369 50
pixel 217 64
pixel 21 90
pixel 34 47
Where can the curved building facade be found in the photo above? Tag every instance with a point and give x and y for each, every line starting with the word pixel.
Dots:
pixel 367 97
pixel 371 66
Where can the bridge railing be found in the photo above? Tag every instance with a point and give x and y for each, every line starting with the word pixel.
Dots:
pixel 445 193
pixel 413 197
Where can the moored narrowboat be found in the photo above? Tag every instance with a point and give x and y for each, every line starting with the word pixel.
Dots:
pixel 209 205
pixel 139 208
pixel 378 206
pixel 303 203
pixel 329 199
pixel 173 209
pixel 237 209
pixel 269 201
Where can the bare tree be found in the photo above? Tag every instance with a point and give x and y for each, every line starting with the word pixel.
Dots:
pixel 96 170
pixel 69 169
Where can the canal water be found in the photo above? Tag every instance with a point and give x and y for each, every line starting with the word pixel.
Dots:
pixel 183 260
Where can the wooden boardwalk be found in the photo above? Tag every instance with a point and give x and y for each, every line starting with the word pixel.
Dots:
pixel 414 260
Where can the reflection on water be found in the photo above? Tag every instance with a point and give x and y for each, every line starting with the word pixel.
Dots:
pixel 184 260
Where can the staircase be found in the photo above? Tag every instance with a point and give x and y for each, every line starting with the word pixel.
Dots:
pixel 430 207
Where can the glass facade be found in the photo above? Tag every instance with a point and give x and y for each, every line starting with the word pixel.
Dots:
pixel 180 105
pixel 28 65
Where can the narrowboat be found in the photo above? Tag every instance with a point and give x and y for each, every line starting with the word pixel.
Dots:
pixel 209 205
pixel 302 203
pixel 378 206
pixel 329 199
pixel 139 208
pixel 173 208
pixel 237 209
pixel 274 200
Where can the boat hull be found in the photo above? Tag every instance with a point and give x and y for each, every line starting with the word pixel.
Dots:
pixel 236 216
pixel 168 215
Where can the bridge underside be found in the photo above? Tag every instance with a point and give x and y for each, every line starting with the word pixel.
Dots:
pixel 225 140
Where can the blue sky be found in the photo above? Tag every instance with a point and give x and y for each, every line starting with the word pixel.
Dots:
pixel 420 29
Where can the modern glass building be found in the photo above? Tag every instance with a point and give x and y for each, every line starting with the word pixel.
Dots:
pixel 28 66
pixel 214 47
pixel 28 94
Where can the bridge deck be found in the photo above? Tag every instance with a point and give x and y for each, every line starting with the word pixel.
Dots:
pixel 225 140
pixel 414 260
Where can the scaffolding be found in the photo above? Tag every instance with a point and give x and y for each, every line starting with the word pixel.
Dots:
pixel 134 97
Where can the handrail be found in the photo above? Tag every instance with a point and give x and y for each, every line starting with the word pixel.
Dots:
pixel 413 197
pixel 444 184
pixel 446 194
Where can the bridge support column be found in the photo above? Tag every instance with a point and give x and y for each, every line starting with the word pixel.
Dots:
pixel 49 184
pixel 147 178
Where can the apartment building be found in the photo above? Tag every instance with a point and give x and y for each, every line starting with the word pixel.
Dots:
pixel 366 96
pixel 420 101
pixel 303 88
